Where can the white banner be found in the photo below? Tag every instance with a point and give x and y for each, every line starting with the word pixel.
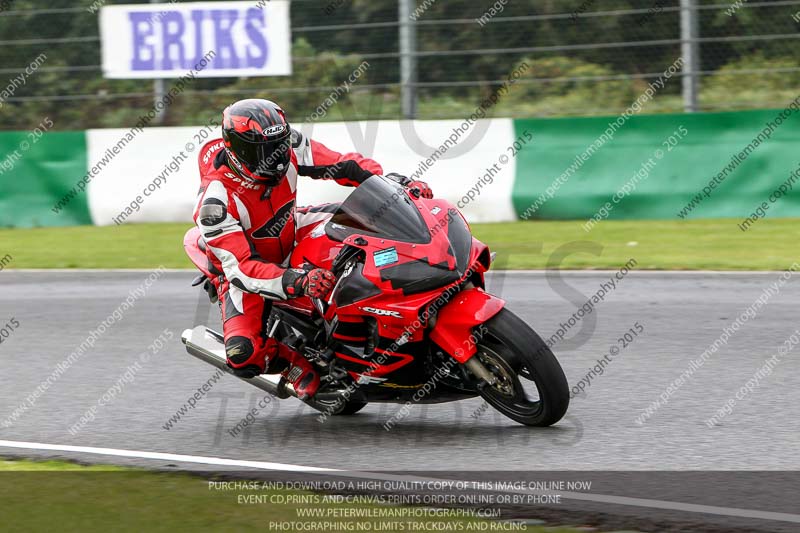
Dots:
pixel 160 167
pixel 211 39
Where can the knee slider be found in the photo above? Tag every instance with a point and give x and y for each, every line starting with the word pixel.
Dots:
pixel 239 350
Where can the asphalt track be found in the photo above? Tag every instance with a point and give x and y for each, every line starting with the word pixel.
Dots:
pixel 681 315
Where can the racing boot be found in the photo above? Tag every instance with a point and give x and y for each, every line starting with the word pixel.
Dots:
pixel 299 372
pixel 275 363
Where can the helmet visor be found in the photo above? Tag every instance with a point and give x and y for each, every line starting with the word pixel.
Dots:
pixel 268 159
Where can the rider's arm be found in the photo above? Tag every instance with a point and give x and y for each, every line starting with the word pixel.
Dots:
pixel 320 162
pixel 218 219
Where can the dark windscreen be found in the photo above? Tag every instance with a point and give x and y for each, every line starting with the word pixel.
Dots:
pixel 382 208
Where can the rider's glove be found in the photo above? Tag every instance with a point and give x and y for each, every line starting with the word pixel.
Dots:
pixel 421 187
pixel 208 286
pixel 316 283
pixel 211 290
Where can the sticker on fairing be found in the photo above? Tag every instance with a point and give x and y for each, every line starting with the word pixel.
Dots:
pixel 319 231
pixel 385 257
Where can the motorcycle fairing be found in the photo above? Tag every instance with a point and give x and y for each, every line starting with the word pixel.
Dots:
pixel 457 319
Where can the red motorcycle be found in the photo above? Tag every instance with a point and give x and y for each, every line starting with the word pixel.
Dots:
pixel 408 320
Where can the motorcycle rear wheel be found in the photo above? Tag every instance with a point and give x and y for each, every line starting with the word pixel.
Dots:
pixel 515 354
pixel 337 408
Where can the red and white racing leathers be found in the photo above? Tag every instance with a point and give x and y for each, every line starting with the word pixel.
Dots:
pixel 250 230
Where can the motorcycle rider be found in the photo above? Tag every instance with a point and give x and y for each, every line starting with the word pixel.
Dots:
pixel 249 223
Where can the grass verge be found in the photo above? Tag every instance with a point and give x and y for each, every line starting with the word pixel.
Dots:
pixel 656 245
pixel 53 495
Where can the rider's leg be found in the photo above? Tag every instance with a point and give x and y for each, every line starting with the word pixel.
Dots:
pixel 243 319
pixel 250 353
pixel 301 373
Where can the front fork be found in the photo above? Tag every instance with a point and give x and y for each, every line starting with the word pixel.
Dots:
pixel 477 369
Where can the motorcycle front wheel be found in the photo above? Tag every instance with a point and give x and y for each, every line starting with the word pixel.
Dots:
pixel 529 384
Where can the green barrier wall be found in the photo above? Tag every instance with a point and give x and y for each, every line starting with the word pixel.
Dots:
pixel 36 175
pixel 711 142
pixel 35 178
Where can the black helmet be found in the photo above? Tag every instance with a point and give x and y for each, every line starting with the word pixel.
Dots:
pixel 257 140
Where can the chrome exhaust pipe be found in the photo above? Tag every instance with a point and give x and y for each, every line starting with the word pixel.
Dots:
pixel 208 346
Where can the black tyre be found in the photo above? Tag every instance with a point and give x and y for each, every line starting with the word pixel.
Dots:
pixel 530 386
pixel 337 408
